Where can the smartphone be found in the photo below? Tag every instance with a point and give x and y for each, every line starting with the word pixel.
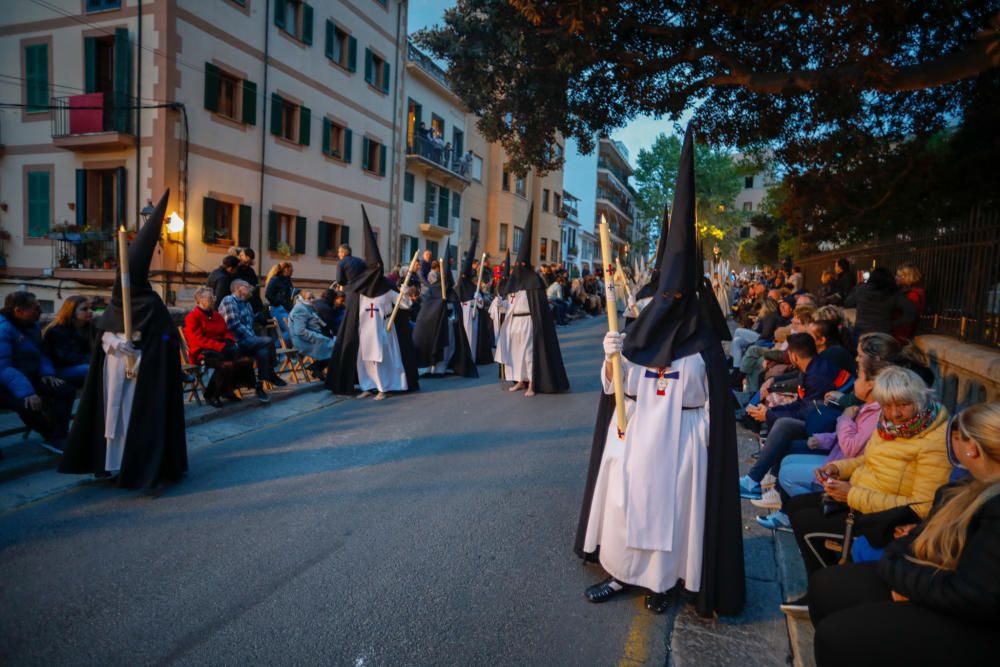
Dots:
pixel 823 475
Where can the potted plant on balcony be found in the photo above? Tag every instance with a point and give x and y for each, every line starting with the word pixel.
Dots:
pixel 284 250
pixel 64 258
pixel 58 232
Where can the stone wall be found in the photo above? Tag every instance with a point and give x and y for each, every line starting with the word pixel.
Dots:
pixel 964 373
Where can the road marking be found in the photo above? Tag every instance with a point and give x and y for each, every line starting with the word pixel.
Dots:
pixel 637 643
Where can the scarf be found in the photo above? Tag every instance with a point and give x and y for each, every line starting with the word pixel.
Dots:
pixel 916 425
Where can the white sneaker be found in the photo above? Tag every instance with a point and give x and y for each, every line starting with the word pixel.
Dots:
pixel 769 500
pixel 768 482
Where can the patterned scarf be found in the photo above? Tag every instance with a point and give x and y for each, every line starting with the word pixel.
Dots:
pixel 916 425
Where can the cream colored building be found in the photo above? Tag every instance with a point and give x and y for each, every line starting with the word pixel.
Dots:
pixel 614 199
pixel 270 129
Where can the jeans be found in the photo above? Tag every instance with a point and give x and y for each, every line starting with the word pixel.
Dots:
pixel 797 475
pixel 742 339
pixel 261 348
pixel 779 444
pixel 52 421
pixel 281 315
pixel 559 310
pixel 75 375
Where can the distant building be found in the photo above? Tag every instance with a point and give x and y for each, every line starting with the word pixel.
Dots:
pixel 749 199
pixel 614 198
pixel 570 229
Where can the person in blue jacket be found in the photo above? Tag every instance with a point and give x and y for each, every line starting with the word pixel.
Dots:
pixel 28 382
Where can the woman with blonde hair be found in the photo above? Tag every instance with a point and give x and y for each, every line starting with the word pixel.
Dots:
pixel 934 597
pixel 278 290
pixel 68 338
pixel 908 278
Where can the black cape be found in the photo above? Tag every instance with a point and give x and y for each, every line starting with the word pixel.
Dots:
pixel 484 337
pixel 342 371
pixel 430 336
pixel 548 375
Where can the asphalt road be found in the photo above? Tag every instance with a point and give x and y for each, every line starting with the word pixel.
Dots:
pixel 429 529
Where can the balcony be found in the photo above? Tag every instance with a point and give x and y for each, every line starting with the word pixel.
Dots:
pixel 622 205
pixel 618 173
pixel 73 249
pixel 93 122
pixel 424 157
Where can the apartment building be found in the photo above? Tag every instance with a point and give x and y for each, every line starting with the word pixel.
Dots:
pixel 614 198
pixel 271 122
pixel 751 197
pixel 569 232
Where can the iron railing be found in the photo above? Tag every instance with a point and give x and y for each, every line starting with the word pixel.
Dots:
pixel 426 63
pixel 92 113
pixel 84 250
pixel 960 263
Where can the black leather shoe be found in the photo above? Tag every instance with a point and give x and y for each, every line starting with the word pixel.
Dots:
pixel 657 602
pixel 603 591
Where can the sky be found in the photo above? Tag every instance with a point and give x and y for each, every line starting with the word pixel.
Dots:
pixel 580 172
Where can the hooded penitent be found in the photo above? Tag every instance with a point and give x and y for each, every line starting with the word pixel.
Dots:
pixel 649 289
pixel 481 341
pixel 468 281
pixel 155 445
pixel 342 371
pixel 522 275
pixel 678 322
pixel 504 278
pixel 431 330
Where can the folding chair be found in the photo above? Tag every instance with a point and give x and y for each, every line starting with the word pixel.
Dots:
pixel 194 370
pixel 291 361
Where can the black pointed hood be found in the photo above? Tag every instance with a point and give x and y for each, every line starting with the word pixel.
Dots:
pixel 504 278
pixel 147 306
pixel 522 275
pixel 467 279
pixel 674 323
pixel 444 273
pixel 649 289
pixel 372 281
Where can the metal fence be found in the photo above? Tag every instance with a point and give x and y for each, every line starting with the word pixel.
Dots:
pixel 960 263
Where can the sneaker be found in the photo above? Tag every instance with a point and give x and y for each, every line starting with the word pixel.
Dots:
pixel 276 381
pixel 796 608
pixel 749 488
pixel 768 482
pixel 769 500
pixel 261 394
pixel 776 520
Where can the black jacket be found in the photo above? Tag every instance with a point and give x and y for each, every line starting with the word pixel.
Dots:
pixel 875 308
pixel 219 281
pixel 247 273
pixel 348 268
pixel 67 345
pixel 279 292
pixel 972 591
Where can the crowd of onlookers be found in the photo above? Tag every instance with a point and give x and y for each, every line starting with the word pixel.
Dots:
pixel 893 502
pixel 429 143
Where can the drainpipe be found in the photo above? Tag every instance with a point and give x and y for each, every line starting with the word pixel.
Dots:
pixel 263 141
pixel 138 111
pixel 394 222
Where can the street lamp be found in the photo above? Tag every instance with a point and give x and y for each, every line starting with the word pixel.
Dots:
pixel 716 253
pixel 146 212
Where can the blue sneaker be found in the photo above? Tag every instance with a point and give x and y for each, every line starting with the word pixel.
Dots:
pixel 776 520
pixel 750 489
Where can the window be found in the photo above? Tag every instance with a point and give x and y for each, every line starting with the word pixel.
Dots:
pixel 745 232
pixel 456 206
pixel 330 236
pixel 519 186
pixel 39 198
pixel 408 245
pixel 337 140
pixel 505 181
pixel 475 227
pixel 295 18
pixel 545 199
pixel 436 205
pixel 289 120
pixel 222 220
pixel 101 198
pixel 554 250
pixel 408 185
pixel 543 246
pixel 373 156
pixel 503 237
pixel 341 47
pixel 559 152
pixel 518 237
pixel 556 203
pixel 36 78
pixel 748 206
pixel 477 168
pixel 103 5
pixel 107 68
pixel 285 230
pixel 376 71
pixel 433 247
pixel 457 143
pixel 748 182
pixel 230 96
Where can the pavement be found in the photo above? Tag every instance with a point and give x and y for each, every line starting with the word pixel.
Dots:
pixel 432 528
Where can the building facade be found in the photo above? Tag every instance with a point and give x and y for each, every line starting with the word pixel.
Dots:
pixel 614 198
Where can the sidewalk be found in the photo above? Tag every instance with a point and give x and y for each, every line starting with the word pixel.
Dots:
pixel 23 456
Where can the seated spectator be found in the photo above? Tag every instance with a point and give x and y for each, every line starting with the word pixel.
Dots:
pixel 210 342
pixel 238 314
pixel 554 293
pixel 67 340
pixel 763 330
pixel 796 281
pixel 220 278
pixel 934 597
pixel 826 333
pixel 908 279
pixel 246 272
pixel 884 346
pixel 903 464
pixel 825 295
pixel 309 334
pixel 325 307
pixel 881 306
pixel 843 282
pixel 28 382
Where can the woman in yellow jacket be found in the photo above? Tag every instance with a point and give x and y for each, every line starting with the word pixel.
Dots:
pixel 903 465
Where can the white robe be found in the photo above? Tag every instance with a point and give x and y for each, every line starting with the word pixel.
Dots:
pixel 470 319
pixel 515 346
pixel 648 511
pixel 118 395
pixel 380 364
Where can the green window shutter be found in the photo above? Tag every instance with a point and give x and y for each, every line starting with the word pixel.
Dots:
pixel 272 230
pixel 381 160
pixel 345 234
pixel 211 87
pixel 414 245
pixel 364 152
pixel 429 198
pixel 352 54
pixel 36 68
pixel 444 197
pixel 369 66
pixel 456 204
pixel 322 238
pixel 249 102
pixel 243 232
pixel 279 13
pixel 81 197
pixel 328 44
pixel 307 23
pixel 385 77
pixel 326 136
pixel 408 183
pixel 39 205
pixel 348 141
pixel 121 190
pixel 276 105
pixel 123 81
pixel 300 235
pixel 90 64
pixel 305 118
pixel 209 213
